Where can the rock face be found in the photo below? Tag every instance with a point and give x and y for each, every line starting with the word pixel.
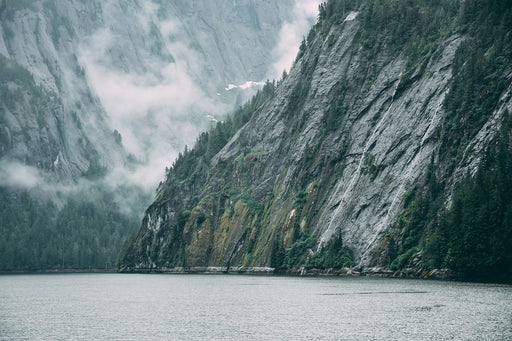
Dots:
pixel 56 123
pixel 333 152
pixel 58 111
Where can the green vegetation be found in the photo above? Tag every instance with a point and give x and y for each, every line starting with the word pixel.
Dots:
pixel 479 68
pixel 395 26
pixel 95 170
pixel 294 256
pixel 192 165
pixel 471 237
pixel 15 83
pixel 474 236
pixel 332 255
pixel 35 235
pixel 192 168
pixel 117 137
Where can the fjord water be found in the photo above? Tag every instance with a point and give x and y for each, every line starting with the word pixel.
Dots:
pixel 235 307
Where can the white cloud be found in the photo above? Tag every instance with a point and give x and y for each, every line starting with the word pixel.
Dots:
pixel 17 175
pixel 157 103
pixel 159 107
pixel 305 13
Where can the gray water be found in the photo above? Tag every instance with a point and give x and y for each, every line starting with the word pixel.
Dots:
pixel 235 307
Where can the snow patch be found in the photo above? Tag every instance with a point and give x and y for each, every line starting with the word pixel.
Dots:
pixel 246 85
pixel 57 160
pixel 212 118
pixel 292 213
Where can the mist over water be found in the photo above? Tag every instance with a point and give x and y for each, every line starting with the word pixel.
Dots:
pixel 233 307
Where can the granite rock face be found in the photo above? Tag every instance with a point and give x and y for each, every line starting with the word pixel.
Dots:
pixel 62 118
pixel 332 153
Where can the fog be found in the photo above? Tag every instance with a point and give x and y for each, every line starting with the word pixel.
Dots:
pixel 156 85
pixel 161 100
pixel 305 13
pixel 157 111
pixel 14 174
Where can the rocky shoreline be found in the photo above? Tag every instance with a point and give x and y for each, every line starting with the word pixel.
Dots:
pixel 57 271
pixel 438 274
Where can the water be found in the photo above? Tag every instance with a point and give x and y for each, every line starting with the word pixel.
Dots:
pixel 235 307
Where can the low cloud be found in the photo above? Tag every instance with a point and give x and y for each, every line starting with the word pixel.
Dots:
pixel 14 174
pixel 157 106
pixel 305 13
pixel 154 98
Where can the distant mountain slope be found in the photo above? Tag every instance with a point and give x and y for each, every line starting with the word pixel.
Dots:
pixel 97 97
pixel 357 156
pixel 64 63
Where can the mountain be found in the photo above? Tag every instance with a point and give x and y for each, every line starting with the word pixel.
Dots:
pixel 386 149
pixel 96 98
pixel 72 60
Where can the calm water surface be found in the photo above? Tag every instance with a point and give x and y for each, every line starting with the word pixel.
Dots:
pixel 234 307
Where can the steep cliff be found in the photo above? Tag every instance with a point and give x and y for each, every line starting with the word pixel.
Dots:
pixel 50 118
pixel 320 169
